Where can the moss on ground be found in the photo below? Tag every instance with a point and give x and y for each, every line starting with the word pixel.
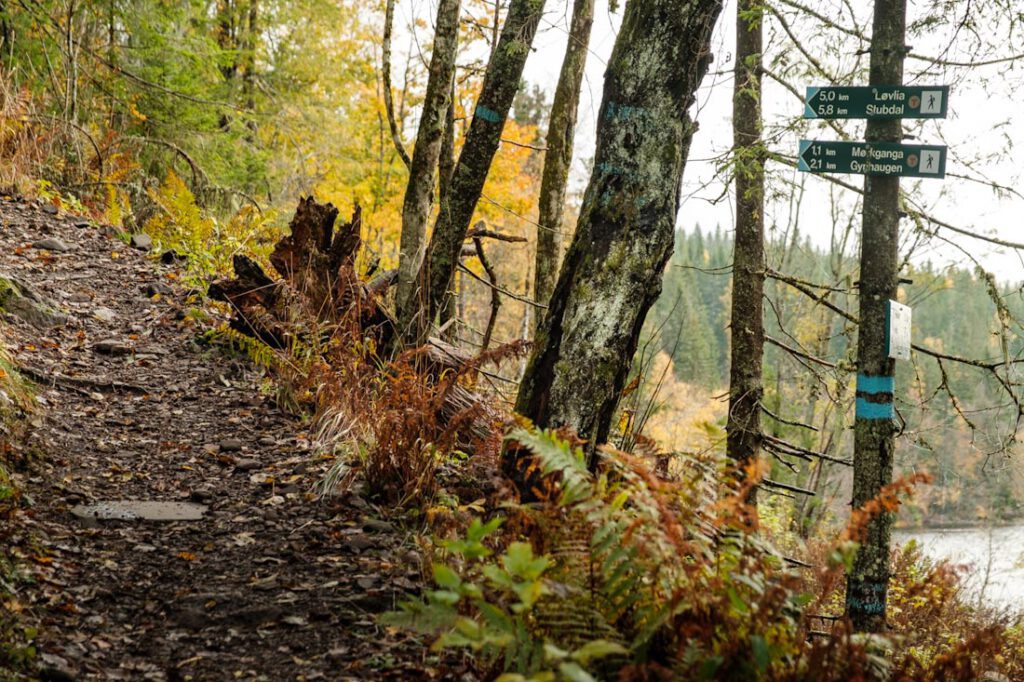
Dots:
pixel 17 652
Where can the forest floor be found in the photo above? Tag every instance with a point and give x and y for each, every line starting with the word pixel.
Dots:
pixel 271 583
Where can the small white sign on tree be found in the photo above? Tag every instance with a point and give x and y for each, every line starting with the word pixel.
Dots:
pixel 898 330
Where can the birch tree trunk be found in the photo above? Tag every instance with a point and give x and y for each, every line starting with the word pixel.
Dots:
pixel 874 430
pixel 746 388
pixel 614 266
pixel 427 151
pixel 501 82
pixel 558 157
pixel 385 66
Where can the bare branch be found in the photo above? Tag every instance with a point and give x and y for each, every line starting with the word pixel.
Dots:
pixel 767 482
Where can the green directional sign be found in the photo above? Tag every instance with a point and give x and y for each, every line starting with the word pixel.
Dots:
pixel 877 102
pixel 872 158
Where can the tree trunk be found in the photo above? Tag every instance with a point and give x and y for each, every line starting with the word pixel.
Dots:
pixel 874 430
pixel 385 68
pixel 426 153
pixel 501 82
pixel 447 168
pixel 249 73
pixel 558 157
pixel 746 388
pixel 614 266
pixel 446 164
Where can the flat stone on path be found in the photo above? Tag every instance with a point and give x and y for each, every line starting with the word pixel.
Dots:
pixel 51 244
pixel 142 241
pixel 140 510
pixel 157 288
pixel 112 347
pixel 104 314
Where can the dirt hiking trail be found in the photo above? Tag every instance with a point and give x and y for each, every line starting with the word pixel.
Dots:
pixel 270 583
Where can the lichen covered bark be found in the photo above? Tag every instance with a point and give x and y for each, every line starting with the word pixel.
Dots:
pixel 501 82
pixel 561 130
pixel 614 266
pixel 874 434
pixel 427 152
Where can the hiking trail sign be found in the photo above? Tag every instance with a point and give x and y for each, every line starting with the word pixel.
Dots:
pixel 897 330
pixel 877 102
pixel 872 158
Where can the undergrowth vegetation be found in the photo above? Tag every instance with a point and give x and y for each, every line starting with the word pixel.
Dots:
pixel 395 427
pixel 98 172
pixel 639 565
pixel 209 243
pixel 16 649
pixel 627 576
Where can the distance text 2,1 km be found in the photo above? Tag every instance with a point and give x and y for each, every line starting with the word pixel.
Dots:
pixel 872 158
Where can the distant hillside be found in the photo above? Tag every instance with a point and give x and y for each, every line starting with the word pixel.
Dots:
pixel 954 312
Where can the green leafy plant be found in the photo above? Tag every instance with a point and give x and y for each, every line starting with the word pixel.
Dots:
pixel 490 608
pixel 180 223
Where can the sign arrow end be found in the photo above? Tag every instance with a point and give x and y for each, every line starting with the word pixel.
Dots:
pixel 801 163
pixel 809 100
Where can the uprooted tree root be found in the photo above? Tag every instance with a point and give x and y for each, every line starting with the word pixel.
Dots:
pixel 407 413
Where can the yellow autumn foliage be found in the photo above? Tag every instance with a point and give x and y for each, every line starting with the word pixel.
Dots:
pixel 688 416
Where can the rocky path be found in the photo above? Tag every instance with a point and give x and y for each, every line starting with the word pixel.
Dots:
pixel 270 584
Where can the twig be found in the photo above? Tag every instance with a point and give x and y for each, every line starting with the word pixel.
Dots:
pixel 780 493
pixel 788 448
pixel 524 145
pixel 495 300
pixel 783 420
pixel 96 147
pixel 796 562
pixel 197 171
pixel 489 234
pixel 785 486
pixel 514 297
pixel 799 353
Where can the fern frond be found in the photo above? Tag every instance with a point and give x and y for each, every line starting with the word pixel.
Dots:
pixel 557 458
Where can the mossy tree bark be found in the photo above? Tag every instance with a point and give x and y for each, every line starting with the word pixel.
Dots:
pixel 501 82
pixel 614 266
pixel 874 430
pixel 558 157
pixel 427 151
pixel 746 387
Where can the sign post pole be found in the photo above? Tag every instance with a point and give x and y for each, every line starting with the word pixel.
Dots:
pixel 884 332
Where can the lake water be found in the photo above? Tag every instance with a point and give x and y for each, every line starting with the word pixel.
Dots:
pixel 996 551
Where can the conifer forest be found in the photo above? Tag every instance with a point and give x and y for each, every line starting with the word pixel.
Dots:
pixel 515 340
